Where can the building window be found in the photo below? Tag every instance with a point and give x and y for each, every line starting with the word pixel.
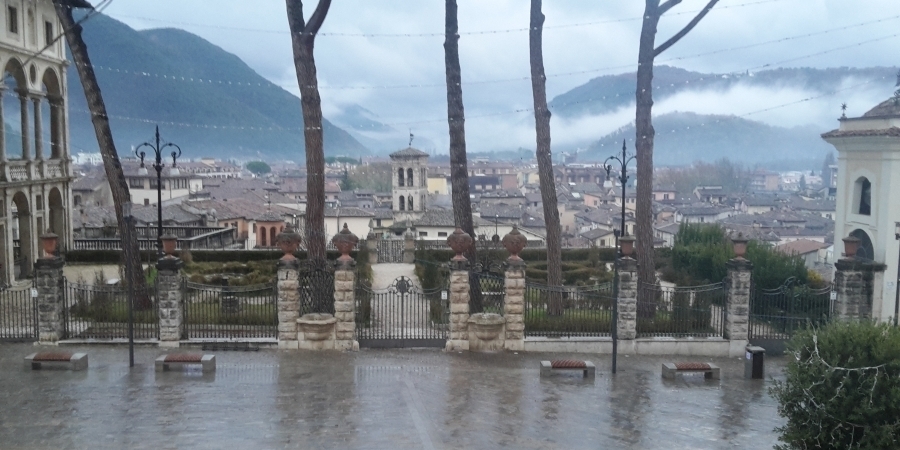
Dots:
pixel 442 234
pixel 48 33
pixel 377 222
pixel 665 196
pixel 12 19
pixel 863 196
pixel 400 177
pixel 409 178
pixel 423 234
pixel 410 202
pixel 402 202
pixel 146 202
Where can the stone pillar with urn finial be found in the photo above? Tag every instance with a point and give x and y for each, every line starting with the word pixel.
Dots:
pixel 737 295
pixel 288 288
pixel 171 306
pixel 626 325
pixel 344 298
pixel 855 282
pixel 48 281
pixel 459 241
pixel 514 302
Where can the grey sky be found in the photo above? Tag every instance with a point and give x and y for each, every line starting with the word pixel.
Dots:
pixel 580 36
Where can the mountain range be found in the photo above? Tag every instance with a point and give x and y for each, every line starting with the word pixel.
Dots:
pixel 204 99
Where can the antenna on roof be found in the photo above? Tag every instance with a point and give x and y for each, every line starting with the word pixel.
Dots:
pixel 843 110
pixel 410 137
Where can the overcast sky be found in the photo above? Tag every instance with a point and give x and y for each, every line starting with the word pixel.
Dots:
pixel 589 37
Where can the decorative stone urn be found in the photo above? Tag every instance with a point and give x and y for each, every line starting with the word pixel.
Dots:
pixel 487 326
pixel 626 243
pixel 740 246
pixel 169 243
pixel 851 245
pixel 288 241
pixel 345 241
pixel 514 242
pixel 49 241
pixel 317 326
pixel 459 241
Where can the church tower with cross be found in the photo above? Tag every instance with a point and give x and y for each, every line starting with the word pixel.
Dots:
pixel 409 174
pixel 868 193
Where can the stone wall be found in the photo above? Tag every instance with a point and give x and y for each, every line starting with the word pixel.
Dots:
pixel 626 326
pixel 171 306
pixel 459 310
pixel 514 308
pixel 288 303
pixel 344 310
pixel 48 273
pixel 737 310
pixel 854 286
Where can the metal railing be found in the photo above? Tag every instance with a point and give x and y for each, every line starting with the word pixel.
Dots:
pixel 230 312
pixel 101 312
pixel 778 313
pixel 692 311
pixel 18 313
pixel 568 311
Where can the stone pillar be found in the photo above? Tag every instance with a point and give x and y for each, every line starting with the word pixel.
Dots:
pixel 626 327
pixel 38 129
pixel 48 279
pixel 26 140
pixel 372 246
pixel 345 307
pixel 514 306
pixel 3 158
pixel 459 306
pixel 737 306
pixel 171 304
pixel 409 248
pixel 854 285
pixel 288 302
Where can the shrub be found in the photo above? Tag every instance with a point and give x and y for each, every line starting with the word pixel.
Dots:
pixel 842 388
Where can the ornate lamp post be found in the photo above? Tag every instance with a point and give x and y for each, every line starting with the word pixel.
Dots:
pixel 623 178
pixel 158 149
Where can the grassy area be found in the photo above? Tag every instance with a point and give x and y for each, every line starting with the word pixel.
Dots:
pixel 571 321
pixel 110 311
pixel 212 313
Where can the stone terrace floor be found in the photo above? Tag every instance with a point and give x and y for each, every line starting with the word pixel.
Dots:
pixel 379 399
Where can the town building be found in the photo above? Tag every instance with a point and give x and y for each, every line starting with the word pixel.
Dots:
pixel 409 169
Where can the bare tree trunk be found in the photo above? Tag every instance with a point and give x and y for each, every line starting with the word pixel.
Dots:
pixel 456 117
pixel 644 136
pixel 303 37
pixel 544 158
pixel 107 146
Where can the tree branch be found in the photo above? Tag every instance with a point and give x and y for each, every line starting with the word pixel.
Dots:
pixel 684 31
pixel 665 7
pixel 318 17
pixel 295 16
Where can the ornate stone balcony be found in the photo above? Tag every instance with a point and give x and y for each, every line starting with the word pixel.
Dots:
pixel 19 170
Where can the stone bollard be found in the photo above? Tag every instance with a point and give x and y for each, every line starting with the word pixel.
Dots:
pixel 288 289
pixel 169 298
pixel 48 279
pixel 459 241
pixel 737 306
pixel 514 302
pixel 626 326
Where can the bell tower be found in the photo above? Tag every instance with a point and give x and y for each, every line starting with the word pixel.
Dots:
pixel 409 172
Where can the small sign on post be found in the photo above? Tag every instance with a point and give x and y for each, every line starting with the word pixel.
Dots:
pixel 443 295
pixel 33 293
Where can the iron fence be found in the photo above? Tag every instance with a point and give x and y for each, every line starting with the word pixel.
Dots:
pixel 489 290
pixel 692 311
pixel 775 314
pixel 568 311
pixel 101 312
pixel 316 287
pixel 18 314
pixel 230 312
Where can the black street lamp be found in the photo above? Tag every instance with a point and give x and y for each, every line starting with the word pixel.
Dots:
pixel 623 179
pixel 158 165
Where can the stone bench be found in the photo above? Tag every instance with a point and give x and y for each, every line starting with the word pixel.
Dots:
pixel 548 367
pixel 179 361
pixel 56 360
pixel 710 371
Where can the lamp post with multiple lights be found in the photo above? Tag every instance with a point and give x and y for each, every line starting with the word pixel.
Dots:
pixel 158 149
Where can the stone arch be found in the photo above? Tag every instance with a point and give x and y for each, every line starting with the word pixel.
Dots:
pixel 52 89
pixel 862 196
pixel 57 222
pixel 409 203
pixel 866 250
pixel 262 237
pixel 402 202
pixel 272 231
pixel 409 177
pixel 15 110
pixel 24 260
pixel 400 177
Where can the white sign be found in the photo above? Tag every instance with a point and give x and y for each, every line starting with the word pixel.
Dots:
pixel 833 295
pixel 33 293
pixel 443 295
pixel 749 356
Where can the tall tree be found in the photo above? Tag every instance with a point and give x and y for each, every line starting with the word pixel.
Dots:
pixel 303 38
pixel 645 133
pixel 456 117
pixel 111 165
pixel 544 159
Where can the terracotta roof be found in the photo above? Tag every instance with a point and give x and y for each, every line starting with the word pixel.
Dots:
pixel 887 108
pixel 408 152
pixel 889 132
pixel 800 247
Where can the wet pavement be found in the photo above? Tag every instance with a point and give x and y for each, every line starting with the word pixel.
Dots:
pixel 378 399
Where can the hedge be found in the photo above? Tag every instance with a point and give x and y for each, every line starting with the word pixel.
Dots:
pixel 114 256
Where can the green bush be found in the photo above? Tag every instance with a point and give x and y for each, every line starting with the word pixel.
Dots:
pixel 842 388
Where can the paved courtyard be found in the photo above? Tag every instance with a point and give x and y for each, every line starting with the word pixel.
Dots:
pixel 378 399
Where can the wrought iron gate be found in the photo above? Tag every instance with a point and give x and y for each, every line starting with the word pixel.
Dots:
pixel 775 314
pixel 18 314
pixel 230 312
pixel 403 315
pixel 390 250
